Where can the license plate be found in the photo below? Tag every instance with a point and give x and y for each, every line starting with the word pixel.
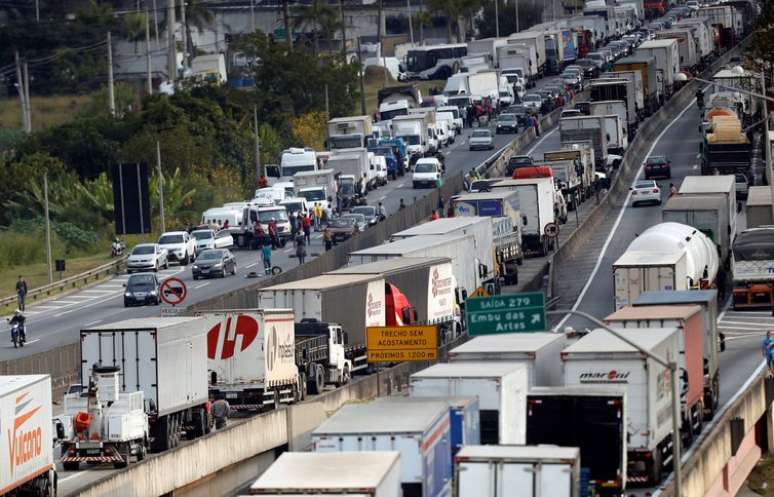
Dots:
pixel 140 294
pixel 204 270
pixel 231 395
pixel 93 452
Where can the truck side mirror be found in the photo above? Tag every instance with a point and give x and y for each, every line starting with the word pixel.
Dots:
pixel 60 430
pixel 346 338
pixel 722 338
pixel 406 315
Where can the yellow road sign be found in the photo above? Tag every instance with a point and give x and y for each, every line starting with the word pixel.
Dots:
pixel 402 343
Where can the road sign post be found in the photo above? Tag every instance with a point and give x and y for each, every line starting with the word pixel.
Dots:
pixel 512 313
pixel 402 343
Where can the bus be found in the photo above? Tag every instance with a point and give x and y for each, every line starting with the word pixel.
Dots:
pixel 433 62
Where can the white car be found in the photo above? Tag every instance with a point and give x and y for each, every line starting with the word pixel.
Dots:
pixel 692 4
pixel 181 246
pixel 646 191
pixel 379 166
pixel 427 172
pixel 209 239
pixel 147 257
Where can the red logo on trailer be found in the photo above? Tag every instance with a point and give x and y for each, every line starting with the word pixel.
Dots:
pixel 245 326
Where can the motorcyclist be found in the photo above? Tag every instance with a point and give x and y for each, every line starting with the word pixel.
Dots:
pixel 18 317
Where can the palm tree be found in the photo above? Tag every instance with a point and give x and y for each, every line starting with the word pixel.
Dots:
pixel 317 16
pixel 286 21
pixel 198 15
pixel 422 19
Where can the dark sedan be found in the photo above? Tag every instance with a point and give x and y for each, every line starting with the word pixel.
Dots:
pixel 507 123
pixel 344 226
pixel 141 289
pixel 658 167
pixel 214 262
pixel 370 213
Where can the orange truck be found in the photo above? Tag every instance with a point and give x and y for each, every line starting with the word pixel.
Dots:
pixel 26 442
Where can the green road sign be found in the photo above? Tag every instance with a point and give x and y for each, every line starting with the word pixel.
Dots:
pixel 513 313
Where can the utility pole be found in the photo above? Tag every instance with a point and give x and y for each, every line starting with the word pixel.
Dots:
pixel 156 22
pixel 48 228
pixel 286 19
pixel 160 186
pixel 516 8
pixel 766 143
pixel 27 96
pixel 184 34
pixel 171 44
pixel 411 23
pixel 20 88
pixel 252 16
pixel 497 18
pixel 379 36
pixel 37 19
pixel 258 169
pixel 343 28
pixel 327 105
pixel 362 84
pixel 149 87
pixel 111 90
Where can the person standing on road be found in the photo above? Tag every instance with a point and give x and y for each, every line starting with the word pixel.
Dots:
pixel 434 216
pixel 318 213
pixel 327 239
pixel 300 250
pixel 382 212
pixel 266 256
pixel 440 205
pixel 21 293
pixel 220 411
pixel 273 233
pixel 306 223
pixel 767 349
pixel 402 205
pixel 672 189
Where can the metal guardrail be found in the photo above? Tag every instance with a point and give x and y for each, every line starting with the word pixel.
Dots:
pixel 113 267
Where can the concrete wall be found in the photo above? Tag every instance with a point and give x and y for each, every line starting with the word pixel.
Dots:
pixel 61 363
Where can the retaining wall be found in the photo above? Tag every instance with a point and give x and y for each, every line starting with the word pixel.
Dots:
pixel 61 363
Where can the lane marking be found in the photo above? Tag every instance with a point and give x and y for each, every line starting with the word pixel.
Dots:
pixel 32 341
pixel 610 236
pixel 251 265
pixel 66 302
pixel 540 142
pixel 74 475
pixel 202 285
pixel 93 322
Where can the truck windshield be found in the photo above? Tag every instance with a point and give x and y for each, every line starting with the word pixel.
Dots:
pixel 289 171
pixel 345 141
pixel 276 214
pixel 292 206
pixel 313 195
pixel 389 114
pixel 411 139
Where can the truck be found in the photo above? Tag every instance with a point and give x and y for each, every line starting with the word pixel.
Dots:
pixel 666 256
pixel 615 126
pixel 486 470
pixel 586 128
pixel 617 89
pixel 568 179
pixel 726 150
pixel 413 130
pixel 537 40
pixel 560 49
pixel 518 56
pixel 294 160
pixel 702 34
pixel 714 341
pixel 485 84
pixel 472 260
pixel 655 8
pixel 758 206
pixel 706 213
pixel 103 424
pixel 501 389
pixel 724 186
pixel 635 80
pixel 486 47
pixel 320 473
pixel 395 101
pixel 538 351
pixel 428 284
pixel 319 299
pixel 582 156
pixel 601 358
pixel 27 448
pixel 689 321
pixel 752 266
pixel 652 83
pixel 667 57
pixel 419 431
pixel 607 13
pixel 536 206
pixel 318 187
pixel 261 371
pixel 352 164
pixel 349 132
pixel 165 359
pixel 598 430
pixel 686 46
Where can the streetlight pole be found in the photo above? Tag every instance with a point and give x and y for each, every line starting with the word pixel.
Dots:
pixel 160 187
pixel 672 367
pixel 497 18
pixel 48 228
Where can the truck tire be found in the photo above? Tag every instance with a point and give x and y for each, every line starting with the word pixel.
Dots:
pixel 345 376
pixel 142 450
pixel 301 386
pixel 316 380
pixel 198 422
pixel 161 435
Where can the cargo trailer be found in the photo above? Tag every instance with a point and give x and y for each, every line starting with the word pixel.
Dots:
pixel 706 213
pixel 715 185
pixel 536 207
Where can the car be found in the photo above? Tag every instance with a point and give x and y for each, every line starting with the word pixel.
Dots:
pixel 370 213
pixel 583 107
pixel 521 112
pixel 532 101
pixel 599 59
pixel 571 113
pixel 343 227
pixel 692 4
pixel 210 239
pixel 145 257
pixel 181 247
pixel 141 289
pixel 427 173
pixel 481 139
pixel 483 185
pixel 214 262
pixel 572 78
pixel 645 191
pixel 658 166
pixel 507 123
pixel 590 68
pixel 517 161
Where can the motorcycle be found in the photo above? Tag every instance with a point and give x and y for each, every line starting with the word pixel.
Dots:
pixel 18 335
pixel 117 248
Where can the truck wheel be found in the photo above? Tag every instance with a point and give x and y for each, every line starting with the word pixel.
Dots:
pixel 655 470
pixel 185 260
pixel 161 435
pixel 277 402
pixel 316 381
pixel 301 386
pixel 141 451
pixel 125 454
pixel 345 376
pixel 71 466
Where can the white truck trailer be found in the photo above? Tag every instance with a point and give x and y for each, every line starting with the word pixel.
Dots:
pixel 349 132
pixel 600 358
pixel 377 474
pixel 537 40
pixel 536 205
pixel 166 359
pixel 491 470
pixel 667 55
pixel 501 389
pixel 723 185
pixel 26 443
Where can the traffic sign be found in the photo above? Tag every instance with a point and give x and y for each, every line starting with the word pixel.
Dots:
pixel 551 230
pixel 173 291
pixel 512 313
pixel 402 343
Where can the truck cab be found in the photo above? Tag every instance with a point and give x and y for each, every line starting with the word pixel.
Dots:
pixel 321 354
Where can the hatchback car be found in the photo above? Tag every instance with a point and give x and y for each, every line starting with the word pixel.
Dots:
pixel 370 213
pixel 209 239
pixel 214 262
pixel 658 166
pixel 516 162
pixel 532 101
pixel 147 257
pixel 507 123
pixel 646 191
pixel 481 139
pixel 141 289
pixel 343 227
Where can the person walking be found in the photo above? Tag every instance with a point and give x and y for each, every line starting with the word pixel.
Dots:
pixel 266 256
pixel 21 293
pixel 441 204
pixel 327 239
pixel 306 224
pixel 294 223
pixel 382 212
pixel 402 205
pixel 318 213
pixel 767 349
pixel 273 234
pixel 300 250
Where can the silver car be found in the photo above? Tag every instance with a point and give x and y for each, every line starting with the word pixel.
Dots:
pixel 481 139
pixel 147 257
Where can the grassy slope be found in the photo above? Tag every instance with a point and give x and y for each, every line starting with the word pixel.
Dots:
pixel 46 111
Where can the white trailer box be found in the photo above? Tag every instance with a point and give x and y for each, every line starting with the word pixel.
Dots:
pixel 484 84
pixel 166 358
pixel 686 45
pixel 667 57
pixel 479 227
pixel 586 129
pixel 705 42
pixel 724 185
pixel 540 352
pixel 250 354
pixel 517 56
pixel 600 358
pixel 536 205
pixel 26 444
pixel 616 127
pixel 359 474
pixel 635 77
pixel 349 132
pixel 536 471
pixel 501 389
pixel 535 39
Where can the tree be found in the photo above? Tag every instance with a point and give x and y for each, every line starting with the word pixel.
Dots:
pixel 529 15
pixel 197 14
pixel 455 11
pixel 761 50
pixel 315 17
pixel 309 129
